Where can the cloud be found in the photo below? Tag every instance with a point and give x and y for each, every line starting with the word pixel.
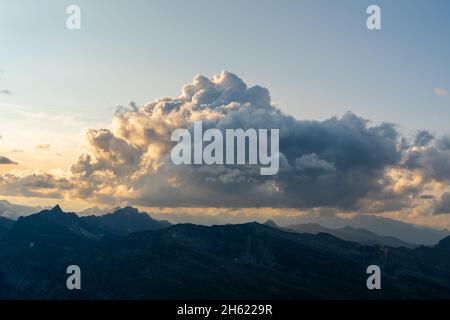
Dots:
pixel 346 163
pixel 432 161
pixel 312 162
pixel 43 147
pixel 36 184
pixel 441 92
pixel 423 138
pixel 6 92
pixel 4 160
pixel 444 142
pixel 334 162
pixel 443 205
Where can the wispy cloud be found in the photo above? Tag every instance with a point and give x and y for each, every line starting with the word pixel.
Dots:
pixel 441 92
pixel 66 119
pixel 5 92
pixel 43 147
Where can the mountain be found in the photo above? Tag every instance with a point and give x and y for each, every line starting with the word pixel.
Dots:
pixel 406 232
pixel 96 211
pixel 444 244
pixel 125 221
pixel 5 225
pixel 185 261
pixel 14 211
pixel 58 225
pixel 55 225
pixel 271 223
pixel 352 234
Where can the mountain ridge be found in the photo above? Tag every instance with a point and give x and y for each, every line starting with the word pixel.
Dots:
pixel 70 226
pixel 224 262
pixel 348 233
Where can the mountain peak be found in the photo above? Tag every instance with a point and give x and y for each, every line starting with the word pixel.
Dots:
pixel 56 209
pixel 271 223
pixel 127 210
pixel 444 243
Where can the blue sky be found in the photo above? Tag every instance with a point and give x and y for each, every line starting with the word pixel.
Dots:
pixel 317 57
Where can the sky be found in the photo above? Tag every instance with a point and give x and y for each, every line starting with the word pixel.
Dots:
pixel 317 59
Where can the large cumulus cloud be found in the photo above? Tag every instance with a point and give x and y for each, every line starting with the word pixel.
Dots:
pixel 344 162
pixel 333 163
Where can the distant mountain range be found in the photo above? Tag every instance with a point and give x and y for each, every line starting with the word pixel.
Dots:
pixel 14 211
pixel 409 234
pixel 352 234
pixel 119 260
pixel 406 232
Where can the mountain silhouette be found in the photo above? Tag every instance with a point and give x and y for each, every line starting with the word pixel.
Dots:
pixel 186 261
pixel 444 244
pixel 54 224
pixel 385 227
pixel 352 234
pixel 5 225
pixel 125 221
pixel 271 223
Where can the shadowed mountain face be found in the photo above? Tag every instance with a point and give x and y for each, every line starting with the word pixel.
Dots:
pixel 5 225
pixel 185 261
pixel 352 234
